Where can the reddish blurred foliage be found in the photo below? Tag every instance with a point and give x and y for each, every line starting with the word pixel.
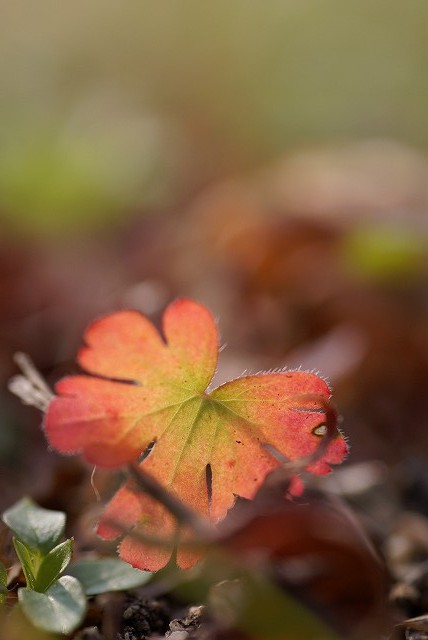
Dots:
pixel 317 551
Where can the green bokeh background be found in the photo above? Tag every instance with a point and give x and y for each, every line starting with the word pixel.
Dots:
pixel 107 108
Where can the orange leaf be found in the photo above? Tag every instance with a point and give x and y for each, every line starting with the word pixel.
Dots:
pixel 145 388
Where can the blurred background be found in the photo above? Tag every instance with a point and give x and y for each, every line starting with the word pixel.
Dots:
pixel 268 159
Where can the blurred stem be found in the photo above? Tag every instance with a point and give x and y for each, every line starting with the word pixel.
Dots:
pixel 278 481
pixel 183 514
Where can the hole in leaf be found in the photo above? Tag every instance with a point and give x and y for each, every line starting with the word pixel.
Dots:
pixel 320 430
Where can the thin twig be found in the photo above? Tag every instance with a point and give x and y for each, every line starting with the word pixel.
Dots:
pixel 278 480
pixel 275 483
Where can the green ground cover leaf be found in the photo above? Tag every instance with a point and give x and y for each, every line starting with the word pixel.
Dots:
pixel 37 528
pixel 59 610
pixel 107 574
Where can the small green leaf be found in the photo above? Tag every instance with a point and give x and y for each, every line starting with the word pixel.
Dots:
pixel 3 583
pixel 107 574
pixel 53 564
pixel 38 528
pixel 59 610
pixel 27 560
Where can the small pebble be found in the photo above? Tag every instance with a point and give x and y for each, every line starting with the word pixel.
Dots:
pixel 178 635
